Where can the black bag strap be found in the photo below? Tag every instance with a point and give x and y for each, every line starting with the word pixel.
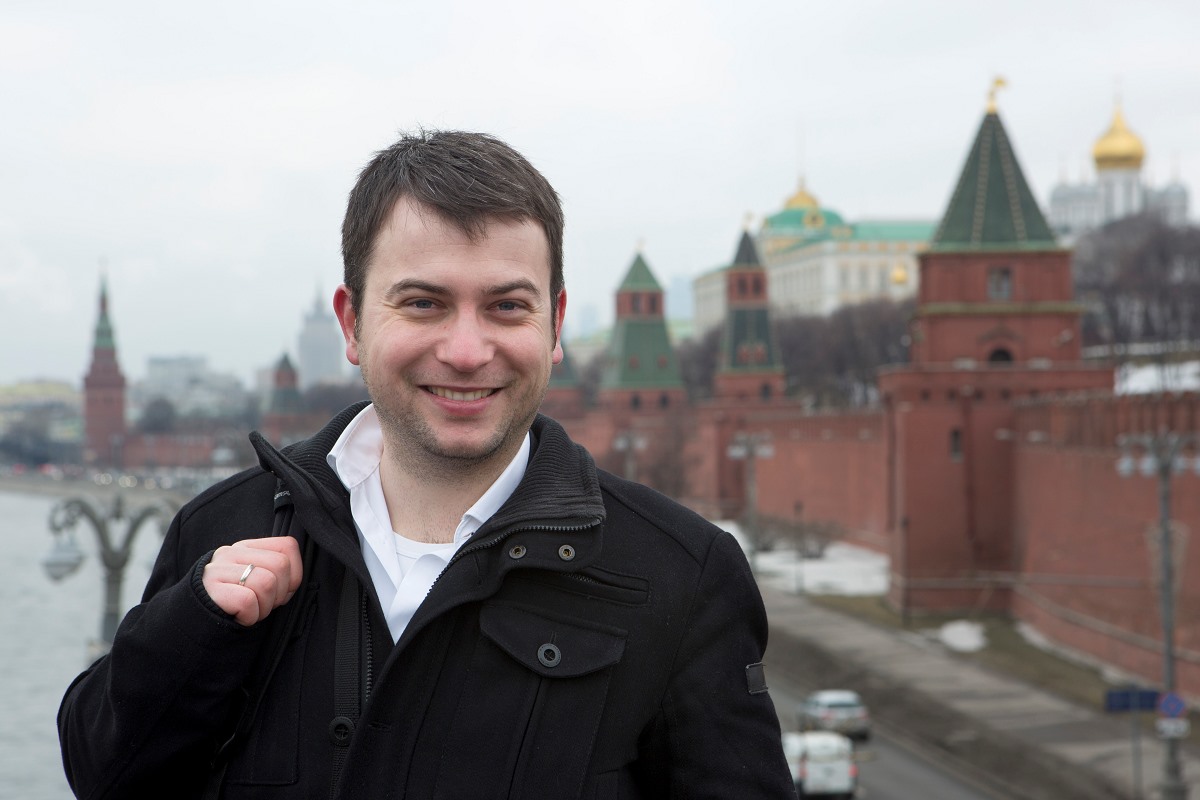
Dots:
pixel 281 526
pixel 347 674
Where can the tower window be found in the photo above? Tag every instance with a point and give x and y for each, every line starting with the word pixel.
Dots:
pixel 999 285
pixel 956 444
pixel 1000 355
pixel 635 303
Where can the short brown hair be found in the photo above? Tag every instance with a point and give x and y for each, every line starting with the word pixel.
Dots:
pixel 467 178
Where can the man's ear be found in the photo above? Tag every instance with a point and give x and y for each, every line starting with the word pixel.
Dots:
pixel 560 312
pixel 343 307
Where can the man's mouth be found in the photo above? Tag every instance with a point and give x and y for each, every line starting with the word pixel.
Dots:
pixel 452 394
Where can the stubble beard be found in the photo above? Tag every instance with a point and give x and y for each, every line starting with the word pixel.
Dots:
pixel 415 442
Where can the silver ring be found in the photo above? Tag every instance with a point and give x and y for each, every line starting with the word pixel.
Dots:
pixel 245 574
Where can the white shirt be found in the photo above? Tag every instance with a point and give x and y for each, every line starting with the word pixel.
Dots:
pixel 403 569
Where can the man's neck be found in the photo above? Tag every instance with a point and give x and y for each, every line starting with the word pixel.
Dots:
pixel 426 503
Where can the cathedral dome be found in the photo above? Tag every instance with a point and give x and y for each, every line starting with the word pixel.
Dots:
pixel 1119 147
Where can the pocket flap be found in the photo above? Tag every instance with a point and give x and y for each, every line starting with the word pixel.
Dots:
pixel 553 648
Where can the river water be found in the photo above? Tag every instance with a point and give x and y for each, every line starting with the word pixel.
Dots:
pixel 45 632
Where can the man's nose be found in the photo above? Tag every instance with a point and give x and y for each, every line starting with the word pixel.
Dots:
pixel 465 344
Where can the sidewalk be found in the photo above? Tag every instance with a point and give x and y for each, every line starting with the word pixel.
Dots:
pixel 1024 741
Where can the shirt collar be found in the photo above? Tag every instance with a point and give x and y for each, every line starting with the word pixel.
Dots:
pixel 356 454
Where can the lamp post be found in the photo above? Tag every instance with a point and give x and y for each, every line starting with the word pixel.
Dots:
pixel 65 557
pixel 1162 456
pixel 629 443
pixel 751 447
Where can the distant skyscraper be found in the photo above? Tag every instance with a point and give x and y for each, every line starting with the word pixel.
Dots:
pixel 321 347
pixel 1118 191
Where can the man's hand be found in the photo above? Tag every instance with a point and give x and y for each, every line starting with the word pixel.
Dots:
pixel 249 595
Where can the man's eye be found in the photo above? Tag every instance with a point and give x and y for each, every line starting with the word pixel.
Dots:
pixel 508 305
pixel 422 304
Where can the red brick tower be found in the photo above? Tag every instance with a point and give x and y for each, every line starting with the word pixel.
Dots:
pixel 284 420
pixel 642 373
pixel 104 429
pixel 995 322
pixel 750 369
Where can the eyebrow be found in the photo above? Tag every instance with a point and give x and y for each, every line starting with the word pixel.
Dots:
pixel 417 285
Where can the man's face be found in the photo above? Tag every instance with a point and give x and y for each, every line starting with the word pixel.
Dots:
pixel 456 339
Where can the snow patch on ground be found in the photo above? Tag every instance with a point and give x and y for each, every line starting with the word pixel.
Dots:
pixel 843 569
pixel 963 636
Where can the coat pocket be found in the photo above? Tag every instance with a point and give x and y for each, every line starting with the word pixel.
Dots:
pixel 551 647
pixel 531 706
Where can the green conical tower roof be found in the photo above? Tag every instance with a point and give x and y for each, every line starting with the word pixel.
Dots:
pixel 639 278
pixel 992 207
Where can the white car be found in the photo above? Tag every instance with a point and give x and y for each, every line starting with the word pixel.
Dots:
pixel 839 710
pixel 822 764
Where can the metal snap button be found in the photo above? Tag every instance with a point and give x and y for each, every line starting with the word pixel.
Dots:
pixel 549 655
pixel 517 551
pixel 566 552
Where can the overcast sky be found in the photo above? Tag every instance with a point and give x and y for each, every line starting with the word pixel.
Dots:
pixel 203 152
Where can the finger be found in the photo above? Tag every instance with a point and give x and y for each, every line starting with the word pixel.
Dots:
pixel 240 602
pixel 289 548
pixel 265 577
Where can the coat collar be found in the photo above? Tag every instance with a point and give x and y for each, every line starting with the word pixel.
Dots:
pixel 560 490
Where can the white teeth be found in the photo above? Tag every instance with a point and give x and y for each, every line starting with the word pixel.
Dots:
pixel 450 394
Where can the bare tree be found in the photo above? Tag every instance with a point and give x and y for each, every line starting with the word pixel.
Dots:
pixel 832 361
pixel 1140 280
pixel 698 362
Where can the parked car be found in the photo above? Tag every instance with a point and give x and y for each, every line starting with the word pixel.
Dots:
pixel 822 764
pixel 838 710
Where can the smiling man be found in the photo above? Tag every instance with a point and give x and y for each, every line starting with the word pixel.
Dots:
pixel 438 595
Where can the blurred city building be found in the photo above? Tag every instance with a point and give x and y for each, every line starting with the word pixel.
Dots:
pixel 190 386
pixel 320 349
pixel 816 262
pixel 40 422
pixel 1118 191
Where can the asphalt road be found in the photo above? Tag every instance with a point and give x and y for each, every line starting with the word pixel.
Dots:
pixel 890 768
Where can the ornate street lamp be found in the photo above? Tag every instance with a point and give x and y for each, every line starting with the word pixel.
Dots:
pixel 1162 456
pixel 65 557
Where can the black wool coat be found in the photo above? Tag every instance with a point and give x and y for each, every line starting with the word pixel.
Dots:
pixel 650 688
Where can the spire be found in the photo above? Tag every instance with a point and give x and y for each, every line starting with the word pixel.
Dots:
pixel 103 338
pixel 747 253
pixel 639 278
pixel 992 207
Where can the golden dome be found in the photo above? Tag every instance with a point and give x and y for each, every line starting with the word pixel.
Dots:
pixel 1119 147
pixel 899 275
pixel 801 199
